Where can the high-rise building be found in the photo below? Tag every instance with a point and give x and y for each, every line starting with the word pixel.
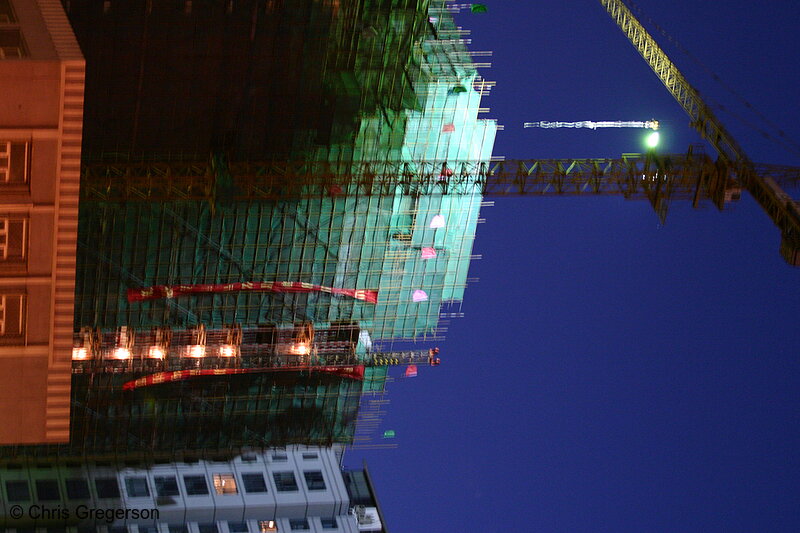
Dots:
pixel 41 104
pixel 296 488
pixel 176 245
pixel 211 85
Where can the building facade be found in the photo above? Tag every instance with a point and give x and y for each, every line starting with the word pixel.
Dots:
pixel 41 111
pixel 296 488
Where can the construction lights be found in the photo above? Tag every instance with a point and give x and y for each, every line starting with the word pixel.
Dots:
pixel 80 354
pixel 123 344
pixel 156 352
pixel 228 350
pixel 121 354
pixel 86 345
pixel 299 348
pixel 195 351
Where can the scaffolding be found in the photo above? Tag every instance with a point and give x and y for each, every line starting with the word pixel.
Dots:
pixel 404 94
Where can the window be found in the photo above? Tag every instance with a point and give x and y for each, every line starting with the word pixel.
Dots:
pixel 166 486
pixel 267 526
pixel 310 456
pixel 18 491
pixel 137 487
pixel 207 528
pixel 13 161
pixel 12 316
pixel 225 484
pixel 285 481
pixel 329 523
pixel 298 524
pixel 13 231
pixel 77 488
pixel 314 480
pixel 178 529
pixel 12 45
pixel 195 485
pixel 47 490
pixel 107 487
pixel 6 13
pixel 254 482
pixel 238 527
pixel 279 457
pixel 148 529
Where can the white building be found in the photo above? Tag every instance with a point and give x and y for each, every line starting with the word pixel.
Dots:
pixel 297 488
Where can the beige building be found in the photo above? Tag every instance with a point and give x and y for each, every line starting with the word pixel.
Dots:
pixel 41 115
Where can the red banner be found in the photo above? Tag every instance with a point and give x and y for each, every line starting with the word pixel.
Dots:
pixel 353 372
pixel 173 291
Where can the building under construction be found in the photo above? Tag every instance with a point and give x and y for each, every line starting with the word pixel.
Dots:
pixel 259 303
pixel 377 81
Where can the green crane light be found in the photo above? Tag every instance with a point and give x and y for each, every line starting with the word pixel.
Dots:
pixel 652 140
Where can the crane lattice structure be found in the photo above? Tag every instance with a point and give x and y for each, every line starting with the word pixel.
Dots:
pixel 657 178
pixel 781 208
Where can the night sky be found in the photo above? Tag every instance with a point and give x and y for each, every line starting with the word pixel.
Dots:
pixel 613 374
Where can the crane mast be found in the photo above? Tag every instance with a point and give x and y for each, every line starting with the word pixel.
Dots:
pixel 783 211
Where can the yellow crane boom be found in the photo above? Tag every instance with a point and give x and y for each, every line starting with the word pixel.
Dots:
pixel 783 211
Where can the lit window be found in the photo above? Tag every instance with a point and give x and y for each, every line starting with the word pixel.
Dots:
pixel 47 490
pixel 299 524
pixel 13 161
pixel 107 487
pixel 195 485
pixel 314 480
pixel 254 483
pixel 285 481
pixel 77 488
pixel 267 526
pixel 18 491
pixel 12 316
pixel 137 487
pixel 12 239
pixel 166 486
pixel 225 484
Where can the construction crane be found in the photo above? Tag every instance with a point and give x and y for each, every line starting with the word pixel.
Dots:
pixel 784 212
pixel 657 178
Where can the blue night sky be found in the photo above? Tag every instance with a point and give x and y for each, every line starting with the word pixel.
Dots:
pixel 612 374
